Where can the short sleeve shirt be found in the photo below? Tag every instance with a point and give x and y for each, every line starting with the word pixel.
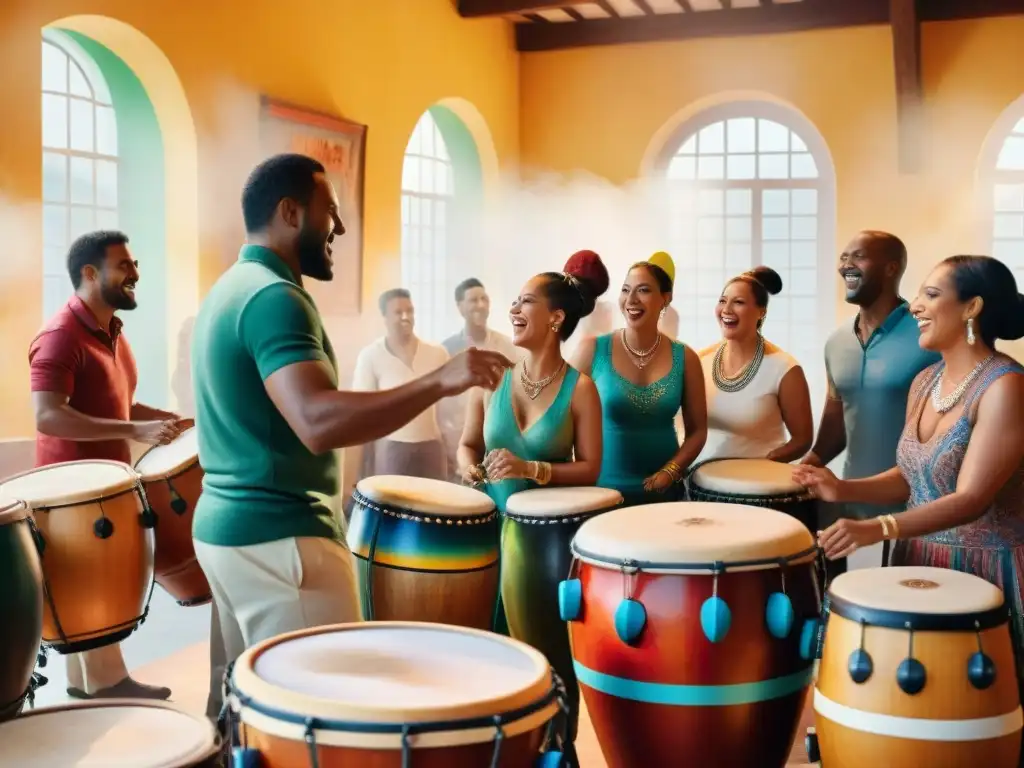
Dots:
pixel 261 483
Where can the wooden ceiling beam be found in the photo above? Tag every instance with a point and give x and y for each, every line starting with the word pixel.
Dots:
pixel 762 20
pixel 906 53
pixel 472 9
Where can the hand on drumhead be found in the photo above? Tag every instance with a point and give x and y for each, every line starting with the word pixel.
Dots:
pixel 658 482
pixel 505 465
pixel 473 368
pixel 474 474
pixel 156 432
pixel 819 481
pixel 844 537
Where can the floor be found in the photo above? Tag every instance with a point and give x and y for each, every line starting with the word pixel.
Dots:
pixel 171 649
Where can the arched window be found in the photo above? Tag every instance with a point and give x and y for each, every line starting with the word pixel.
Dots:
pixel 751 183
pixel 1008 201
pixel 80 158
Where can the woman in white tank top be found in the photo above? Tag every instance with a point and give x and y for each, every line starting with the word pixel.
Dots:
pixel 759 405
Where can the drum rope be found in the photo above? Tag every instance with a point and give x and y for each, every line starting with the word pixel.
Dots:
pixel 568 519
pixel 68 505
pixel 40 541
pixel 716 566
pixel 420 517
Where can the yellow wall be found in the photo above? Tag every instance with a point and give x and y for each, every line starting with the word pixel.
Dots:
pixel 380 63
pixel 600 108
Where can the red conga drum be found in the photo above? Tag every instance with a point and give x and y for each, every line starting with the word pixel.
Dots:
pixel 388 694
pixel 173 481
pixel 692 629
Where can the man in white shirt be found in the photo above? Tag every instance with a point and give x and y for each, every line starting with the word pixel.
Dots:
pixel 417 449
pixel 475 307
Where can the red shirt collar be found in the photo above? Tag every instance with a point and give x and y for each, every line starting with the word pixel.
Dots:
pixel 86 317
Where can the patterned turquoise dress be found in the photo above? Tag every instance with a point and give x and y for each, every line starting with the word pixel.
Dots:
pixel 991 547
pixel 638 423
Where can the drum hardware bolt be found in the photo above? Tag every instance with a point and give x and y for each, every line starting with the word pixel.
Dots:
pixel 178 505
pixel 310 737
pixel 103 528
pixel 148 518
pixel 910 675
pixel 860 665
pixel 499 738
pixel 811 745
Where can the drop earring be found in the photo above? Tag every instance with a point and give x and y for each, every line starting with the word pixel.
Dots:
pixel 970 331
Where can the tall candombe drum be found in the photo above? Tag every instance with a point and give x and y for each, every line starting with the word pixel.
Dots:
pixel 427 550
pixel 21 605
pixel 755 483
pixel 692 628
pixel 917 669
pixel 392 695
pixel 111 733
pixel 173 481
pixel 96 543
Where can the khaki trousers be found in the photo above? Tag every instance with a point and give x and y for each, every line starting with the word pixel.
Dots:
pixel 264 590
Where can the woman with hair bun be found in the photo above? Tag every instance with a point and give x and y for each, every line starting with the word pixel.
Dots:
pixel 960 460
pixel 759 405
pixel 644 379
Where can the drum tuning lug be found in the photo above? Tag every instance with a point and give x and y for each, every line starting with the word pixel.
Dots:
pixel 860 666
pixel 103 528
pixel 779 615
pixel 715 618
pixel 244 757
pixel 550 760
pixel 148 518
pixel 811 746
pixel 178 505
pixel 981 670
pixel 630 620
pixel 809 639
pixel 570 599
pixel 910 676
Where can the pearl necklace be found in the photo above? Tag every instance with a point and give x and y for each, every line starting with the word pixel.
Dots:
pixel 945 404
pixel 744 377
pixel 534 388
pixel 641 357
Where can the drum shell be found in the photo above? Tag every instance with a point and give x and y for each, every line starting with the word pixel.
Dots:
pixel 21 613
pixel 99 587
pixel 804 510
pixel 429 569
pixel 177 569
pixel 947 695
pixel 673 650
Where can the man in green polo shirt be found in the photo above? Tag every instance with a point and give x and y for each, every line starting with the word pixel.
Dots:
pixel 269 416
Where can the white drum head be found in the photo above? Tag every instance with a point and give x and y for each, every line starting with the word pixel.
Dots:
pixel 429 497
pixel 747 477
pixel 916 589
pixel 561 502
pixel 113 734
pixel 163 461
pixel 392 672
pixel 690 533
pixel 73 482
pixel 12 510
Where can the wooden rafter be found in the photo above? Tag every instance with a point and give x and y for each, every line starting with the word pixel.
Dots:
pixel 906 54
pixel 643 6
pixel 475 8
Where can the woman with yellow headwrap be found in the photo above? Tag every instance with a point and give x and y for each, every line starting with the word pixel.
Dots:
pixel 644 378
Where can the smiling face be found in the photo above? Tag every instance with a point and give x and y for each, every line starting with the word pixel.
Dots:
pixel 475 307
pixel 941 316
pixel 399 318
pixel 531 315
pixel 116 278
pixel 737 311
pixel 640 299
pixel 321 223
pixel 867 269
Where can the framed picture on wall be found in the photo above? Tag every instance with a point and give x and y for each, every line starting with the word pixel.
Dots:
pixel 341 146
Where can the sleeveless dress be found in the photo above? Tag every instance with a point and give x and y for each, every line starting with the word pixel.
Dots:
pixel 638 424
pixel 991 547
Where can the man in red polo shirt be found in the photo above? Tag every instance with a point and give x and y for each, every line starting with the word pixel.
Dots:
pixel 83 389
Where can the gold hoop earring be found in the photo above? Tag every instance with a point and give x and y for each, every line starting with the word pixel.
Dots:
pixel 970 331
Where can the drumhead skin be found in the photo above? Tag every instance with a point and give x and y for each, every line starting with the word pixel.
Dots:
pixel 12 511
pixel 561 502
pixel 163 461
pixel 428 497
pixel 915 590
pixel 690 536
pixel 395 673
pixel 115 733
pixel 747 477
pixel 72 482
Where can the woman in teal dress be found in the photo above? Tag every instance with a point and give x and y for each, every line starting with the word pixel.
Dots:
pixel 542 425
pixel 644 378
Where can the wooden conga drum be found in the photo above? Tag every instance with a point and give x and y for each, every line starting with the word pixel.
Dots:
pixel 692 628
pixel 21 606
pixel 426 550
pixel 535 557
pixel 173 481
pixel 112 733
pixel 391 695
pixel 917 670
pixel 97 550
pixel 755 483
